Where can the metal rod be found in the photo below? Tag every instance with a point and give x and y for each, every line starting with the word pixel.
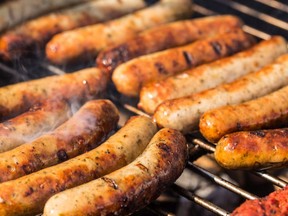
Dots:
pixel 275 4
pixel 276 181
pixel 52 68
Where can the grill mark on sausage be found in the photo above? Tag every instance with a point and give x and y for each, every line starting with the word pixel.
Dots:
pixel 258 133
pixel 62 155
pixel 142 167
pixel 110 182
pixel 188 58
pixel 216 47
pixel 160 67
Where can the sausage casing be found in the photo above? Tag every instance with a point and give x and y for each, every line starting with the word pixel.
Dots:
pixel 131 187
pixel 184 113
pixel 35 189
pixel 86 42
pixel 87 128
pixel 132 75
pixel 164 37
pixel 253 149
pixel 210 75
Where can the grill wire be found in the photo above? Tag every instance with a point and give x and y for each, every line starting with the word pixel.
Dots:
pixel 262 18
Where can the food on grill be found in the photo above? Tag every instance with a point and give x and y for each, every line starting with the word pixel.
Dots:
pixel 164 37
pixel 35 189
pixel 87 128
pixel 275 203
pixel 132 75
pixel 76 87
pixel 253 149
pixel 17 11
pixel 131 187
pixel 88 41
pixel 184 113
pixel 32 35
pixel 38 120
pixel 210 75
pixel 269 111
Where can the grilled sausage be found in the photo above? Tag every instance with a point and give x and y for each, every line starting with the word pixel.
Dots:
pixel 131 76
pixel 84 131
pixel 164 37
pixel 86 42
pixel 129 188
pixel 17 11
pixel 253 149
pixel 210 75
pixel 35 33
pixel 35 189
pixel 270 111
pixel 39 120
pixel 184 113
pixel 77 87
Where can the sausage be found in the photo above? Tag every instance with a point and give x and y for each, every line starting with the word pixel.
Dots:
pixel 131 76
pixel 86 42
pixel 129 188
pixel 38 120
pixel 21 40
pixel 164 37
pixel 17 11
pixel 258 149
pixel 210 75
pixel 184 113
pixel 76 87
pixel 90 125
pixel 35 189
pixel 270 111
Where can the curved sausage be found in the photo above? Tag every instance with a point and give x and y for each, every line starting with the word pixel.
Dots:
pixel 37 121
pixel 86 42
pixel 76 87
pixel 270 111
pixel 210 75
pixel 184 113
pixel 253 149
pixel 90 125
pixel 131 76
pixel 35 189
pixel 31 36
pixel 131 187
pixel 164 37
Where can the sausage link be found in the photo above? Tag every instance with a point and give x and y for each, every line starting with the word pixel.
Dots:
pixel 32 191
pixel 270 111
pixel 86 42
pixel 39 120
pixel 184 113
pixel 253 149
pixel 85 130
pixel 131 76
pixel 31 36
pixel 210 75
pixel 164 37
pixel 77 87
pixel 131 187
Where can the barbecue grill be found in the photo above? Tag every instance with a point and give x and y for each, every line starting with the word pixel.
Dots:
pixel 199 189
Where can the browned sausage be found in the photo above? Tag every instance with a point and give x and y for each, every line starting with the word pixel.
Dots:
pixel 253 149
pixel 129 188
pixel 164 37
pixel 35 189
pixel 132 75
pixel 85 130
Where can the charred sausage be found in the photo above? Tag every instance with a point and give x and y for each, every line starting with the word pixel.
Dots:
pixel 37 121
pixel 164 37
pixel 132 75
pixel 184 113
pixel 85 130
pixel 35 33
pixel 88 41
pixel 35 189
pixel 131 187
pixel 210 75
pixel 76 87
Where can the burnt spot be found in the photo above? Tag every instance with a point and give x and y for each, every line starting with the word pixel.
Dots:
pixel 188 58
pixel 27 169
pixel 62 155
pixel 160 67
pixel 110 182
pixel 142 167
pixel 216 47
pixel 164 147
pixel 238 126
pixel 28 192
pixel 258 133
